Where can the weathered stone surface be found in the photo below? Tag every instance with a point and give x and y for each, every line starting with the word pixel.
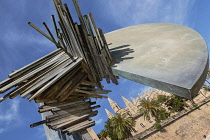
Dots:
pixel 190 127
pixel 166 56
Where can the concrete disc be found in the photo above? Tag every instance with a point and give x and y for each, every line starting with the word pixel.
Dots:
pixel 166 56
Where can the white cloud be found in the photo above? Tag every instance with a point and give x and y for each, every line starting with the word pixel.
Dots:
pixel 135 91
pixel 14 37
pixel 122 81
pixel 146 89
pixel 2 130
pixel 40 131
pixel 99 121
pixel 127 13
pixel 10 115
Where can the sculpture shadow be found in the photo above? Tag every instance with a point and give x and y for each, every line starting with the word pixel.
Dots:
pixel 119 53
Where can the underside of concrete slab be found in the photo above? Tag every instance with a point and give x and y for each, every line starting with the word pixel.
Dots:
pixel 166 56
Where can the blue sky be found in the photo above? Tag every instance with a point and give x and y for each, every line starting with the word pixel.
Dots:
pixel 20 45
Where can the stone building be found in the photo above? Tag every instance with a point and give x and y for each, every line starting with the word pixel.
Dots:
pixel 132 109
pixel 193 126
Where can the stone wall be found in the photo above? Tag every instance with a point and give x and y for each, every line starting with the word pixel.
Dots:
pixel 190 124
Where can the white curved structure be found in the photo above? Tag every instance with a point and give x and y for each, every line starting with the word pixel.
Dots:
pixel 166 56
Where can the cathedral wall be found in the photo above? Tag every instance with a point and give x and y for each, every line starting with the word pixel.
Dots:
pixel 145 124
pixel 190 127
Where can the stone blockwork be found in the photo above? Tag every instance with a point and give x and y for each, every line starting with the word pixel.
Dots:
pixel 192 126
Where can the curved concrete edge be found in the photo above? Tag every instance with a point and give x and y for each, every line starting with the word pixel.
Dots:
pixel 166 56
pixel 197 86
pixel 180 91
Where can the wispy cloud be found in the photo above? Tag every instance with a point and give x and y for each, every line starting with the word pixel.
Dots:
pixel 2 130
pixel 40 132
pixel 10 115
pixel 99 121
pixel 146 88
pixel 127 13
pixel 141 90
pixel 133 92
pixel 12 37
pixel 122 81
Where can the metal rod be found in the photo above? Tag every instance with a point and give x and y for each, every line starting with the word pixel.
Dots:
pixel 45 25
pixel 40 31
pixel 55 26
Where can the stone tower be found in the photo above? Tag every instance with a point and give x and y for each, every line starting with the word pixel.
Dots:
pixel 109 114
pixel 127 102
pixel 140 96
pixel 132 108
pixel 135 100
pixel 114 105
